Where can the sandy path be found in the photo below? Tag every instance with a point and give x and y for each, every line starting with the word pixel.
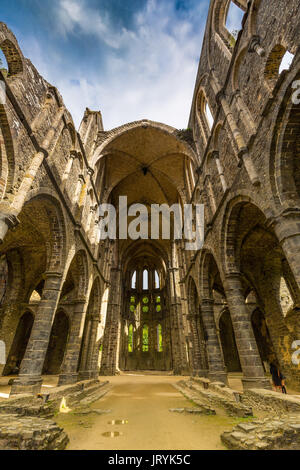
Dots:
pixel 145 401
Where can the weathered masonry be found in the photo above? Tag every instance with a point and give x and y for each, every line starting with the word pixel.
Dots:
pixel 75 306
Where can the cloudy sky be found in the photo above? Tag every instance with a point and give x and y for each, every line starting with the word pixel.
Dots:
pixel 131 59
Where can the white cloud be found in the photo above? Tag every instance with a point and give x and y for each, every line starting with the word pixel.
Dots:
pixel 153 77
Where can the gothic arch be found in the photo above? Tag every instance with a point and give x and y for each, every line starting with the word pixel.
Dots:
pixel 229 226
pixel 223 36
pixel 285 151
pixel 76 282
pixel 7 154
pixel 12 53
pixel 56 240
pixel 120 131
pixel 211 276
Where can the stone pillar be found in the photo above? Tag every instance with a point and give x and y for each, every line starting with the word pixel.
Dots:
pixel 69 369
pixel 112 327
pixel 89 370
pixel 287 230
pixel 220 170
pixel 253 372
pixel 255 46
pixel 68 169
pixel 216 366
pixel 198 354
pixel 84 349
pixel 180 365
pixel 30 376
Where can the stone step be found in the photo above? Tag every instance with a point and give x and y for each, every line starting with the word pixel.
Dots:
pixel 30 433
pixel 230 405
pixel 207 409
pixel 266 434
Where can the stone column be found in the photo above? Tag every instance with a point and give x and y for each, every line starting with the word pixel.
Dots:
pixel 220 169
pixel 69 369
pixel 287 230
pixel 112 327
pixel 30 376
pixel 84 349
pixel 198 354
pixel 68 169
pixel 180 365
pixel 89 370
pixel 253 372
pixel 216 366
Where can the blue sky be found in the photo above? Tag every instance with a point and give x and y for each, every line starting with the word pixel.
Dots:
pixel 131 59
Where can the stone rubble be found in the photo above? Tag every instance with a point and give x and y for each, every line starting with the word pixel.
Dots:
pixel 30 433
pixel 265 434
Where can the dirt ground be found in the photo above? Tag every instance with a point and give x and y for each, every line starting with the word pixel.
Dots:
pixel 144 402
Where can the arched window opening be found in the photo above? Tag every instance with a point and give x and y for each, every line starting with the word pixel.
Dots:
pixel 286 62
pixel 3 64
pixel 145 279
pixel 145 338
pixel 157 282
pixel 286 300
pixel 280 59
pixel 12 59
pixel 234 20
pixel 209 116
pixel 159 338
pixel 133 281
pixel 132 306
pixel 130 338
pixel 35 297
pixel 158 304
pixel 145 307
pixel 251 298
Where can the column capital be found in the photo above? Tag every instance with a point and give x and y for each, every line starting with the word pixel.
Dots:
pixel 287 212
pixel 52 274
pixel 173 268
pixel 233 275
pixel 9 219
pixel 255 46
pixel 207 301
pixel 79 300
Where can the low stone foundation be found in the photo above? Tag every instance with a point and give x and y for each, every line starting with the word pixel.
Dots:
pixel 46 404
pixel 30 433
pixel 267 400
pixel 214 394
pixel 24 419
pixel 267 434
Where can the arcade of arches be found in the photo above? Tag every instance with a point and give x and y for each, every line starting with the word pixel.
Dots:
pixel 76 306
